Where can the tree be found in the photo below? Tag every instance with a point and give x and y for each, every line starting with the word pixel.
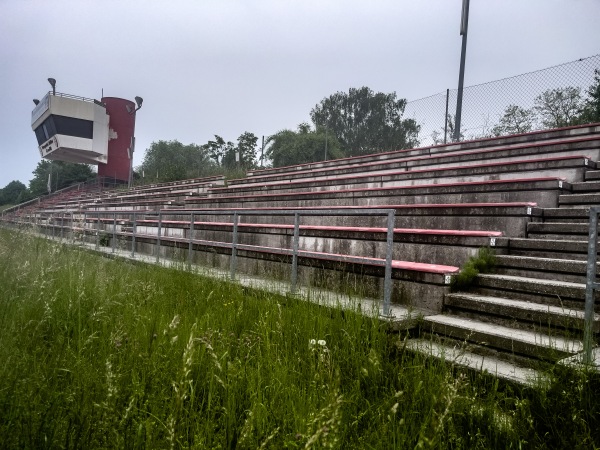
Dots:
pixel 13 193
pixel 515 120
pixel 224 153
pixel 366 122
pixel 218 148
pixel 245 151
pixel 438 136
pixel 62 174
pixel 559 107
pixel 288 147
pixel 171 161
pixel 591 107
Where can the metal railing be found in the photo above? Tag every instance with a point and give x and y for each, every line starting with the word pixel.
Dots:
pixel 591 286
pixel 71 217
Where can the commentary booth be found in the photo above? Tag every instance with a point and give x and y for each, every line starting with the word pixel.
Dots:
pixel 82 130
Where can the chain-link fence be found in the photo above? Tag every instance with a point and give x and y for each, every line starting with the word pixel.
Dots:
pixel 546 98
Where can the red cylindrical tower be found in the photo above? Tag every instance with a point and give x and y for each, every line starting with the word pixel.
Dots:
pixel 121 126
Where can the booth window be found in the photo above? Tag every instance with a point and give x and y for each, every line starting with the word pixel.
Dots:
pixel 68 126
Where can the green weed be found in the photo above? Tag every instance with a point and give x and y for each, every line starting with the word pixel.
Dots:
pixel 482 263
pixel 100 353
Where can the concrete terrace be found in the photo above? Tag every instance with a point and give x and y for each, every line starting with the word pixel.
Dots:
pixel 527 197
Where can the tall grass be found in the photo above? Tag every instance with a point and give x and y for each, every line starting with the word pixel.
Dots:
pixel 98 353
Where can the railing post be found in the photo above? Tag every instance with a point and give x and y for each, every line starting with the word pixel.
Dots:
pixel 234 246
pixel 190 240
pixel 133 231
pixel 114 239
pixel 53 226
pixel 83 238
pixel 62 226
pixel 295 252
pixel 589 288
pixel 387 282
pixel 97 229
pixel 158 237
pixel 446 118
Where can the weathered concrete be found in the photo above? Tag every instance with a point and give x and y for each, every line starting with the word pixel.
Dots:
pixel 528 343
pixel 588 147
pixel 482 363
pixel 535 313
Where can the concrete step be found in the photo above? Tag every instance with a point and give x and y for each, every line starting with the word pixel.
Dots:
pixel 521 342
pixel 558 230
pixel 586 186
pixel 572 270
pixel 592 175
pixel 579 199
pixel 571 215
pixel 482 363
pixel 549 292
pixel 534 313
pixel 544 248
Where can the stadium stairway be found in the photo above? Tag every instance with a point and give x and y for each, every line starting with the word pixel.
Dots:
pixel 529 312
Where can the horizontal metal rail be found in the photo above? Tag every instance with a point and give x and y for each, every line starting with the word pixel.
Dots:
pixel 116 217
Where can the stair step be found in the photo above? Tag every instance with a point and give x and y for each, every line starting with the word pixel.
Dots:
pixel 462 358
pixel 567 214
pixel 586 186
pixel 579 199
pixel 521 310
pixel 523 342
pixel 558 228
pixel 552 290
pixel 572 270
pixel 592 175
pixel 565 248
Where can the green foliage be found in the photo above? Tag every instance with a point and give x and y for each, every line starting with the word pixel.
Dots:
pixel 515 120
pixel 591 108
pixel 559 107
pixel 13 193
pixel 100 353
pixel 231 156
pixel 62 174
pixel 287 148
pixel 172 160
pixel 366 122
pixel 482 263
pixel 245 151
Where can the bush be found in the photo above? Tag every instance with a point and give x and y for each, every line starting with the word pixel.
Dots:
pixel 482 263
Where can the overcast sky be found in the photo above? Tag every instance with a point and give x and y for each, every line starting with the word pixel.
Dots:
pixel 223 67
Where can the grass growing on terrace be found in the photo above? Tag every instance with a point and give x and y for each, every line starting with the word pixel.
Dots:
pixel 98 353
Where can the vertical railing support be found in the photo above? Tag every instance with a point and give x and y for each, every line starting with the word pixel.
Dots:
pixel 97 230
pixel 295 245
pixel 191 236
pixel 387 281
pixel 114 238
pixel 83 236
pixel 62 226
pixel 446 117
pixel 133 231
pixel 591 285
pixel 158 237
pixel 234 246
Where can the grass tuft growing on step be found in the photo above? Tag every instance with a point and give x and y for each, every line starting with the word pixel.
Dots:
pixel 482 263
pixel 98 353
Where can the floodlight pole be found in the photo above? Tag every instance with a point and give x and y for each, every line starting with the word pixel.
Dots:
pixel 138 101
pixel 464 25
